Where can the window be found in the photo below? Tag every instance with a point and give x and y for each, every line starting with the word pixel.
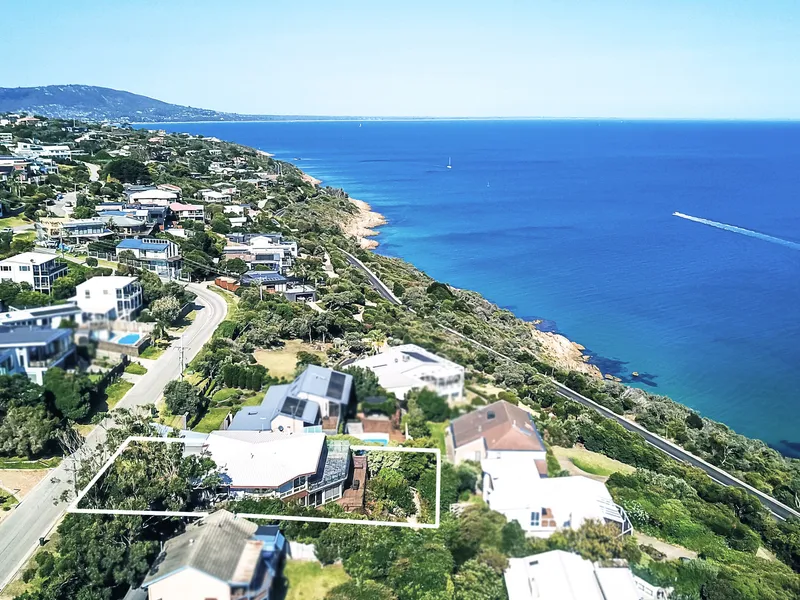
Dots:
pixel 5 268
pixel 24 268
pixel 535 519
pixel 86 294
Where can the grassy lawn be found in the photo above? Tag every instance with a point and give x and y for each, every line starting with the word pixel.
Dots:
pixel 308 580
pixel 152 352
pixel 7 500
pixel 26 236
pixel 13 222
pixel 281 362
pixel 212 419
pixel 225 394
pixel 135 369
pixel 21 463
pixel 183 323
pixel 591 462
pixel 437 433
pixel 230 299
pixel 254 400
pixel 116 391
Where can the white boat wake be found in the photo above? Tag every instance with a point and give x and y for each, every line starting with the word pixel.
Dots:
pixel 740 230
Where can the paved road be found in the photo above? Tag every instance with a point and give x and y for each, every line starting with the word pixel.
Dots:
pixel 37 513
pixel 376 283
pixel 778 509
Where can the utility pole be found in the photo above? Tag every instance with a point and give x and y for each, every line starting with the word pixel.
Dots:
pixel 180 351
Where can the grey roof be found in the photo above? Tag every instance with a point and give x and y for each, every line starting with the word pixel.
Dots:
pixel 212 545
pixel 30 336
pixel 259 418
pixel 321 381
pixel 287 399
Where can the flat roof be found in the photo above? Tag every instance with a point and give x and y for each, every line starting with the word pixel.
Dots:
pixel 35 258
pixel 108 281
pixel 142 243
pixel 30 336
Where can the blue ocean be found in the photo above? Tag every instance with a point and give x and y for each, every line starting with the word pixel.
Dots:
pixel 572 222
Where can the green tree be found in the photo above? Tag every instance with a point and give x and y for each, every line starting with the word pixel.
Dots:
pixel 127 170
pixel 68 392
pixel 365 383
pixel 26 430
pixel 360 590
pixel 476 580
pixel 182 397
pixel 433 406
pixel 220 224
pixel 165 310
pixel 64 288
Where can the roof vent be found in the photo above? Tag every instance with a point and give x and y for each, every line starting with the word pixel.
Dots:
pixel 490 415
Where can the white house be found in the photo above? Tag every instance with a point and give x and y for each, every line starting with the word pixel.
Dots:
pixel 213 196
pixel 109 298
pixel 42 316
pixel 38 269
pixel 401 369
pixel 188 212
pixel 560 575
pixel 302 468
pixel 160 256
pixel 34 350
pixel 513 487
pixel 39 151
pixel 153 196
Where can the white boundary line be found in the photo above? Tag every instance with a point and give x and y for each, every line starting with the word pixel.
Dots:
pixel 73 507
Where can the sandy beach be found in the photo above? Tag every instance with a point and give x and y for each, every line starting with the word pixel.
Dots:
pixel 362 224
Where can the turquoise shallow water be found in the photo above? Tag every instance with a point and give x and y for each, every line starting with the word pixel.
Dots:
pixel 571 221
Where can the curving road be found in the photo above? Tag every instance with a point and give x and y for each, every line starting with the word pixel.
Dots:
pixel 778 509
pixel 41 509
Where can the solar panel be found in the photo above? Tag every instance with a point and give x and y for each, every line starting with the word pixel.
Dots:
pixel 335 386
pixel 420 357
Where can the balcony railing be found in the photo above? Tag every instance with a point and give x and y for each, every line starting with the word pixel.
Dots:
pixel 49 361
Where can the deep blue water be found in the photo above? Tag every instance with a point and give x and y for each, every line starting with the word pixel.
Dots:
pixel 572 222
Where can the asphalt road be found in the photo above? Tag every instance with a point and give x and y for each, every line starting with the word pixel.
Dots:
pixel 376 283
pixel 778 509
pixel 38 512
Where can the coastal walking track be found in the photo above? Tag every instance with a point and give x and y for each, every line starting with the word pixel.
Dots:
pixel 778 509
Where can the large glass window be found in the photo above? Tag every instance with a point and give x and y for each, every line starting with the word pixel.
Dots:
pixel 535 519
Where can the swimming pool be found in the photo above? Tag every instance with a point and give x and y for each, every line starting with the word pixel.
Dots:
pixel 382 440
pixel 129 339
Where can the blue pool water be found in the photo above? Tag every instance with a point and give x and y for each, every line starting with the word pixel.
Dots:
pixel 129 339
pixel 381 441
pixel 571 221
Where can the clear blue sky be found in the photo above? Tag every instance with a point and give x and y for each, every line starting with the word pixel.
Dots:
pixel 550 58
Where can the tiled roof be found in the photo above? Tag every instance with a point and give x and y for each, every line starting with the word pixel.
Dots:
pixel 502 425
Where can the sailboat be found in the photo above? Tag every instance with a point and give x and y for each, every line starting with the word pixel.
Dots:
pixel 449 164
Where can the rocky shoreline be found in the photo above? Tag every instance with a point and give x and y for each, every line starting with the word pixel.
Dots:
pixel 362 225
pixel 558 350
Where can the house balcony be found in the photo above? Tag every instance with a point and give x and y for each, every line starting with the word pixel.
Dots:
pixel 51 360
